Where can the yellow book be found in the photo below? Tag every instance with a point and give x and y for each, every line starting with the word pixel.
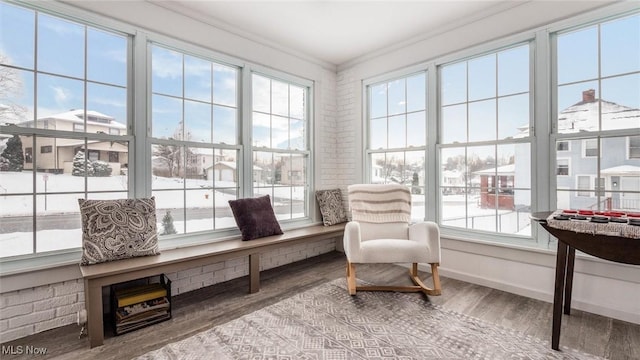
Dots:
pixel 138 297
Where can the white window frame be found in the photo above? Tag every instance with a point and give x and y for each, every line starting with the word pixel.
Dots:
pixel 629 147
pixel 585 148
pixel 306 153
pixel 428 69
pixel 563 142
pixel 534 104
pixel 568 164
pixel 49 129
pixel 587 192
pixel 138 80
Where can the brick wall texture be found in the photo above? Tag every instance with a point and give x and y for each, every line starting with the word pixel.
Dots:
pixel 30 311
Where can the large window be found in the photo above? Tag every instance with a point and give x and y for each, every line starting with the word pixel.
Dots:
pixel 194 137
pixel 55 75
pixel 68 99
pixel 280 125
pixel 397 135
pixel 485 150
pixel 598 105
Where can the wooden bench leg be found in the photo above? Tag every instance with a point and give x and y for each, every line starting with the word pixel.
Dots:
pixel 254 273
pixel 93 304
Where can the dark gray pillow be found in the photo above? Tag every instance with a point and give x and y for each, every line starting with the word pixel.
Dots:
pixel 331 207
pixel 118 229
pixel 255 217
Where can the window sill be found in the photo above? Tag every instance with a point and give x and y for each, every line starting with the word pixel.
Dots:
pixel 30 271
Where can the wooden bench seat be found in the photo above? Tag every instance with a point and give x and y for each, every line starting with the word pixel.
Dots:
pixel 105 274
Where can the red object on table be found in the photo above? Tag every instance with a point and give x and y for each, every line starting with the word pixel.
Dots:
pixel 585 212
pixel 614 213
pixel 569 211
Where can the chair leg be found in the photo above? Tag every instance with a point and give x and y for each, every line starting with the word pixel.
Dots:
pixel 413 272
pixel 351 278
pixel 436 279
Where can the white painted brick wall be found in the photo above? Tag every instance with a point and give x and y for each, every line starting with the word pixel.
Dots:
pixel 30 311
pixel 326 134
pixel 348 131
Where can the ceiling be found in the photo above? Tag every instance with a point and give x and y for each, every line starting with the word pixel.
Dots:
pixel 337 32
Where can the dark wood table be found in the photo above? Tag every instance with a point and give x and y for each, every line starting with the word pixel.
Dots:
pixel 614 248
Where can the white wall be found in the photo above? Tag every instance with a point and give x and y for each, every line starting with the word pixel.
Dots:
pixel 600 286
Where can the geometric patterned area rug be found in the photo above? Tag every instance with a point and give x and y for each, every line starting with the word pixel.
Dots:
pixel 327 323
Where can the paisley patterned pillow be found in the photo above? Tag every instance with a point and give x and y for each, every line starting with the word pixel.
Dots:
pixel 118 229
pixel 331 207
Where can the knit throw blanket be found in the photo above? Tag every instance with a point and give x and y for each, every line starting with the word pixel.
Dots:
pixel 585 226
pixel 376 203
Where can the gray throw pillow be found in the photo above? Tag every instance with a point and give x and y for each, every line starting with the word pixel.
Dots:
pixel 255 217
pixel 331 207
pixel 118 229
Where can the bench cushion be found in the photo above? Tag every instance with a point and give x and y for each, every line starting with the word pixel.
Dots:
pixel 118 229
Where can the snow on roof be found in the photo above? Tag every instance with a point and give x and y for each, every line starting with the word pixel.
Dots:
pixel 76 116
pixel 583 116
pixel 622 170
pixel 500 170
pixel 232 165
pixel 451 173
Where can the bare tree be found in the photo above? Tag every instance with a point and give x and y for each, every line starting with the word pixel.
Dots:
pixel 10 86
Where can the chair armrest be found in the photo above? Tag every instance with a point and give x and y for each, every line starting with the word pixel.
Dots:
pixel 427 232
pixel 352 240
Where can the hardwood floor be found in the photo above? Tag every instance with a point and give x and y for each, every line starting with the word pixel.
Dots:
pixel 204 308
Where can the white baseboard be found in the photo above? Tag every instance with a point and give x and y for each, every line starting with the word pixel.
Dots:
pixel 536 294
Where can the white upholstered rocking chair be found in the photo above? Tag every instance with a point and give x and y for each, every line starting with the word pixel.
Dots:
pixel 380 232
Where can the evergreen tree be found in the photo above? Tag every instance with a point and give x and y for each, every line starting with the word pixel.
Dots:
pixel 79 165
pixel 415 182
pixel 13 154
pixel 167 224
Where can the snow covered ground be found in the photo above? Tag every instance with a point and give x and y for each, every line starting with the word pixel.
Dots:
pixel 64 190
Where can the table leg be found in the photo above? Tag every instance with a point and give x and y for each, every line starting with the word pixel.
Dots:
pixel 568 286
pixel 561 267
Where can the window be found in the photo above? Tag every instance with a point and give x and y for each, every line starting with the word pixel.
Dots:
pixel 598 103
pixel 397 135
pixel 563 167
pixel 55 64
pixel 28 155
pixel 281 155
pixel 590 147
pixel 71 98
pixel 94 155
pixel 195 150
pixel 485 145
pixel 562 146
pixel 584 185
pixel 634 147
